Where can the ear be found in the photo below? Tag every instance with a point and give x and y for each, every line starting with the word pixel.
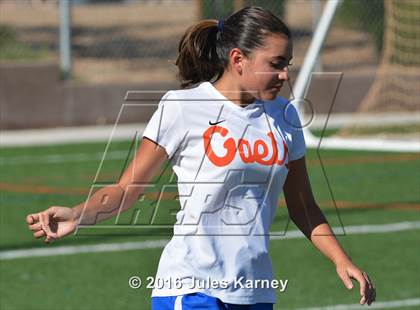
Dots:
pixel 237 59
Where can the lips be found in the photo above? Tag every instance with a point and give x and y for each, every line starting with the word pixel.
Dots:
pixel 277 87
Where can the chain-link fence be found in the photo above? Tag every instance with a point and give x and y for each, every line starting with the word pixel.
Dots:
pixel 112 41
pixel 136 41
pixel 120 41
pixel 28 31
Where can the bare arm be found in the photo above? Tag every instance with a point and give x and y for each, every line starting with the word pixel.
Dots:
pixel 119 197
pixel 57 222
pixel 308 217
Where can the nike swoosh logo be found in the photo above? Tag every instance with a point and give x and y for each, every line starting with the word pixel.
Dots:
pixel 215 123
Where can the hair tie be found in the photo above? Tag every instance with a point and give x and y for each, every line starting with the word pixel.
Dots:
pixel 221 24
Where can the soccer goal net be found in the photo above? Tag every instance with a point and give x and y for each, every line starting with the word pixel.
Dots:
pixel 386 116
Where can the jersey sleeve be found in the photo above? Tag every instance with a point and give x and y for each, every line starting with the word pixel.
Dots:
pixel 298 141
pixel 166 127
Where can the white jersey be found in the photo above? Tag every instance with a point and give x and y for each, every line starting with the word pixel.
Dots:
pixel 231 163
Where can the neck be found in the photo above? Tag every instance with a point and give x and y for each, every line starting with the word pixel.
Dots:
pixel 232 91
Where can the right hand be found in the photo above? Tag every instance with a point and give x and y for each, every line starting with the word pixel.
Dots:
pixel 53 223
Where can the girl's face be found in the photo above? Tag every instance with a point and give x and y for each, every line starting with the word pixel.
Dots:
pixel 266 69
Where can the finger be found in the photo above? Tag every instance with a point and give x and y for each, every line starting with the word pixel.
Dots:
pixel 35 227
pixel 32 218
pixel 44 219
pixel 370 300
pixel 47 214
pixel 374 295
pixel 39 234
pixel 346 280
pixel 49 239
pixel 368 289
pixel 363 284
pixel 42 222
pixel 371 289
pixel 368 282
pixel 51 211
pixel 373 298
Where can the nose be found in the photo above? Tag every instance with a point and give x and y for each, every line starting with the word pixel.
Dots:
pixel 284 74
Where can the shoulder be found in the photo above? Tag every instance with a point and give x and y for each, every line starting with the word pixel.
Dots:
pixel 196 92
pixel 189 100
pixel 283 112
pixel 279 108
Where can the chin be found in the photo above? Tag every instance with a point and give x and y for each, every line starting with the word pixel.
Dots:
pixel 269 96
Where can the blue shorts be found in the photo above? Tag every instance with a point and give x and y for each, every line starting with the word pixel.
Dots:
pixel 195 301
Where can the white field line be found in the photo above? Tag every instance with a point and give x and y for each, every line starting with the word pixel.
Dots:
pixel 155 244
pixel 412 302
pixel 68 135
pixel 61 158
pixel 400 146
pixel 364 144
pixel 354 230
pixel 339 120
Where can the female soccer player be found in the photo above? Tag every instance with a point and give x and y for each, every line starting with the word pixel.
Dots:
pixel 233 145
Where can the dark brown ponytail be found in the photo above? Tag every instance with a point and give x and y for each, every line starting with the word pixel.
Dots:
pixel 198 60
pixel 204 47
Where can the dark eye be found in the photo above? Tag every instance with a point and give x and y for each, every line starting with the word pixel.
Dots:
pixel 280 65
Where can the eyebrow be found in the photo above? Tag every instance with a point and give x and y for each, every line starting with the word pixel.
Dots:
pixel 282 58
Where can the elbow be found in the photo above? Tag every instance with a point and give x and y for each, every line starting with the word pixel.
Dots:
pixel 130 193
pixel 307 217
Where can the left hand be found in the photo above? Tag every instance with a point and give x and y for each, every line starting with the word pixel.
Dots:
pixel 348 271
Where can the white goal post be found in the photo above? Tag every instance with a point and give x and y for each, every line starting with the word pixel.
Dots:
pixel 301 85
